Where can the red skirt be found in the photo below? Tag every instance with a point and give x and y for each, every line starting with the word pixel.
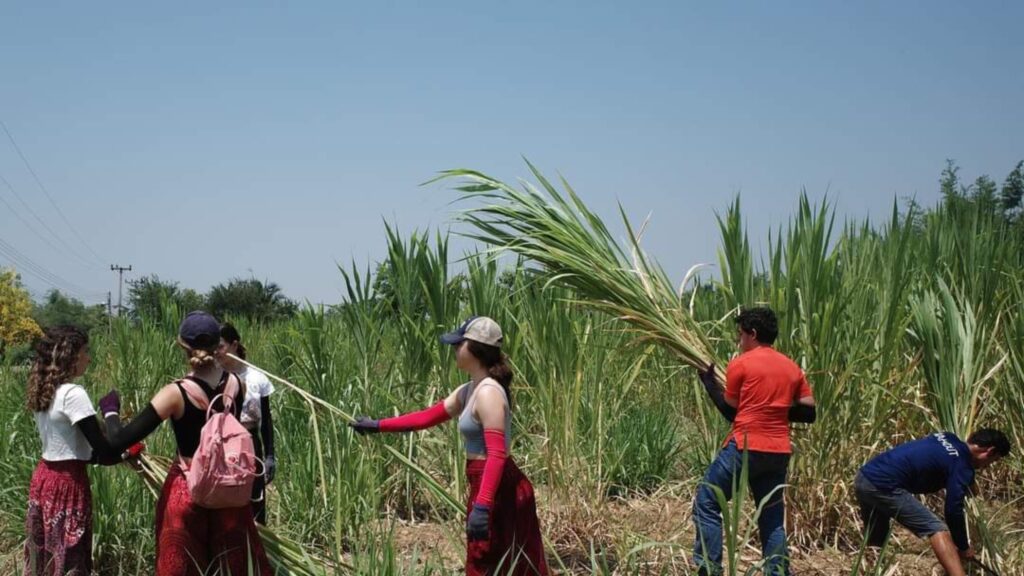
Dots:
pixel 515 547
pixel 191 539
pixel 58 526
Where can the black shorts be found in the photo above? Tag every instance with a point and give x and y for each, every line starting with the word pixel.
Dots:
pixel 879 507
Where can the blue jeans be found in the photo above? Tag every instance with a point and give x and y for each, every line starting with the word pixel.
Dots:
pixel 766 472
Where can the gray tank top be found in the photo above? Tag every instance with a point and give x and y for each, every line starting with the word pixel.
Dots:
pixel 472 430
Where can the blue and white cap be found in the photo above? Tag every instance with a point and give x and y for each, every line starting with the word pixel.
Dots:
pixel 478 329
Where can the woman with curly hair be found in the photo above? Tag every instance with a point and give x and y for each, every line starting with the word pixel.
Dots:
pixel 58 524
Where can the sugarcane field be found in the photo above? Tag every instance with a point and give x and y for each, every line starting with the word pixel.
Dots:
pixel 546 289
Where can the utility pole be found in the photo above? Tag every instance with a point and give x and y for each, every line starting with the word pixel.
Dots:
pixel 120 274
pixel 110 314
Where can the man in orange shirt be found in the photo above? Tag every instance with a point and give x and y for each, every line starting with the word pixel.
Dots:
pixel 764 392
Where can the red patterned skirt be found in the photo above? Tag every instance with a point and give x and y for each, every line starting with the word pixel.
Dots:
pixel 58 526
pixel 515 547
pixel 191 539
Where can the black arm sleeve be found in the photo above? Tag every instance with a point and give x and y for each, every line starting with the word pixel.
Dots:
pixel 803 413
pixel 266 427
pixel 717 396
pixel 119 438
pixel 102 452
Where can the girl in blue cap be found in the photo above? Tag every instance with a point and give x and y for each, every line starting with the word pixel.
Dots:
pixel 192 540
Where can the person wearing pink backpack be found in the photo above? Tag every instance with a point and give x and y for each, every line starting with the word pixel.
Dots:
pixel 193 539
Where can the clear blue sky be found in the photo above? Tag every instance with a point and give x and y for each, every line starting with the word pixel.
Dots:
pixel 202 141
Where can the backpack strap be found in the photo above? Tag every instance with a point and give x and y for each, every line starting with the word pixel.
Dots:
pixel 232 386
pixel 203 402
pixel 195 393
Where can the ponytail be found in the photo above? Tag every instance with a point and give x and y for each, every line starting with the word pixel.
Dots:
pixel 496 363
pixel 200 359
pixel 197 357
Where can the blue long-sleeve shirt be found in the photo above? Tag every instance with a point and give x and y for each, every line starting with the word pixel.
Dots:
pixel 925 466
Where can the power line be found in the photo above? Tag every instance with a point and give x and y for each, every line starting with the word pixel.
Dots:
pixel 47 193
pixel 45 277
pixel 32 228
pixel 26 264
pixel 20 269
pixel 41 222
pixel 23 268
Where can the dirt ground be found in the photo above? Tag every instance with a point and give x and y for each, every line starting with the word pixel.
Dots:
pixel 625 525
pixel 612 531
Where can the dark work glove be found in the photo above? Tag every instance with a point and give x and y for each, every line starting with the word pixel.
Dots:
pixel 365 425
pixel 715 392
pixel 803 413
pixel 478 522
pixel 707 377
pixel 269 466
pixel 111 403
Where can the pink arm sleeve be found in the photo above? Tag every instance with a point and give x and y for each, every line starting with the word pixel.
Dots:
pixel 493 468
pixel 432 416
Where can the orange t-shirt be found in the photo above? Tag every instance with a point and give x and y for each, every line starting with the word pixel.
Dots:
pixel 766 383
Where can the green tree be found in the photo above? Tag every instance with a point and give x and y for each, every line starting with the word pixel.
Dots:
pixel 16 323
pixel 954 196
pixel 59 309
pixel 1013 190
pixel 146 296
pixel 249 298
pixel 983 194
pixel 949 183
pixel 384 289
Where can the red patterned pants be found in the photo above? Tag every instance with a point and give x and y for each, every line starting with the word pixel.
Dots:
pixel 190 540
pixel 58 526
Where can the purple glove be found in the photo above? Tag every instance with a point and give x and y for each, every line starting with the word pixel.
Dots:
pixel 111 403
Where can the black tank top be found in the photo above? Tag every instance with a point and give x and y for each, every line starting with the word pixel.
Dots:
pixel 188 427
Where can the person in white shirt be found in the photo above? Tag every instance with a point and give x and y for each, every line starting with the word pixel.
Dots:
pixel 58 524
pixel 255 413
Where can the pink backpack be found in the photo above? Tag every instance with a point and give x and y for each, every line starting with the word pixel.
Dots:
pixel 222 471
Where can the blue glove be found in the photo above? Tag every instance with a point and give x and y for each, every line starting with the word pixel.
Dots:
pixel 478 522
pixel 269 466
pixel 364 425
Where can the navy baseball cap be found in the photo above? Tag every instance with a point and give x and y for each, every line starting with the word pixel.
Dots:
pixel 478 329
pixel 200 330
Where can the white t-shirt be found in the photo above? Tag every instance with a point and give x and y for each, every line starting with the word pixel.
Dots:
pixel 61 439
pixel 257 386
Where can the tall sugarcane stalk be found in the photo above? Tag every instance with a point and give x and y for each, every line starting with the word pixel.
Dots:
pixel 574 247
